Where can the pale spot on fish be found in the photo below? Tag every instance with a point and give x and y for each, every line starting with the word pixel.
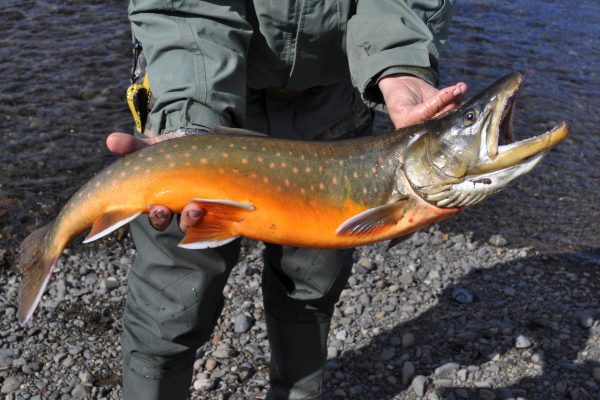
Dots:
pixel 225 155
pixel 244 148
pixel 186 155
pixel 307 170
pixel 334 180
pixel 283 165
pixel 295 170
pixel 231 145
pixel 149 159
pixel 127 163
pixel 320 168
pixel 109 172
pixel 244 161
pixel 341 163
pixel 187 163
pixel 260 159
pixel 194 147
pixel 168 156
pixel 97 184
pixel 373 170
pixel 204 161
pixel 287 182
pixel 253 175
pixel 364 190
pixel 221 170
pixel 136 168
pixel 123 173
pixel 321 186
pixel 272 165
pixel 302 191
pixel 209 147
pixel 355 174
pixel 266 180
pixel 302 157
pixel 147 171
pixel 171 165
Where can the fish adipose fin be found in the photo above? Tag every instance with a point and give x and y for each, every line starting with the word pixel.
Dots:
pixel 218 225
pixel 109 222
pixel 374 220
pixel 36 267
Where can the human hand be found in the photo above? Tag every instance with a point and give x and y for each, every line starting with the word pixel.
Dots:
pixel 159 215
pixel 411 100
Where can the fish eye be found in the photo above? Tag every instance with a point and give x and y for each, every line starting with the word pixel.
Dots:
pixel 469 117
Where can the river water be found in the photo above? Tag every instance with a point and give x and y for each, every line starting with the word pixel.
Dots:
pixel 65 66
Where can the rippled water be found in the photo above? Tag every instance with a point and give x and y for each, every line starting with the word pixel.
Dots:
pixel 65 66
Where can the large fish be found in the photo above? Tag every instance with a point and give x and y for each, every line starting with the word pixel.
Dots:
pixel 316 194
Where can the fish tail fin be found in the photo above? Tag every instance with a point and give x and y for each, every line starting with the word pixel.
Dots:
pixel 36 265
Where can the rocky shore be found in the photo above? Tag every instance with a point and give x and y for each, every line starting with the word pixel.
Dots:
pixel 442 316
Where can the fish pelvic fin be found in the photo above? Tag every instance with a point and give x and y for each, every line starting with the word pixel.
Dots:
pixel 109 222
pixel 375 220
pixel 36 265
pixel 219 224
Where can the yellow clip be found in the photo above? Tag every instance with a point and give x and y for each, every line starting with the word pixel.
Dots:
pixel 138 99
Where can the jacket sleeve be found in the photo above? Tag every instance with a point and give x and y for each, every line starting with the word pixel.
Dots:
pixel 196 52
pixel 393 36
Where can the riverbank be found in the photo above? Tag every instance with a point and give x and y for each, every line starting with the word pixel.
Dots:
pixel 441 316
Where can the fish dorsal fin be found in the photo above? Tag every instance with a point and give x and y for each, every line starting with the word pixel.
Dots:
pixel 374 220
pixel 224 130
pixel 109 222
pixel 218 225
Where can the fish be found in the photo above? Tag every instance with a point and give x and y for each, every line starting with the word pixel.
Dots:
pixel 332 194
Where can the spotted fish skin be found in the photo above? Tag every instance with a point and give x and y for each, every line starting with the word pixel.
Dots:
pixel 336 194
pixel 299 194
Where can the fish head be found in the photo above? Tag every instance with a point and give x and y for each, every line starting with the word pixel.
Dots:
pixel 470 153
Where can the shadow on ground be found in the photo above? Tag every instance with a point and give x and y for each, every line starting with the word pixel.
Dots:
pixel 538 297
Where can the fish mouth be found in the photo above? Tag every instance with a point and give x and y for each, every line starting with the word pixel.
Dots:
pixel 499 150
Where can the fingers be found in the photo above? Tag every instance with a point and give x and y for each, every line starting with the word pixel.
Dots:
pixel 443 101
pixel 123 143
pixel 191 215
pixel 160 217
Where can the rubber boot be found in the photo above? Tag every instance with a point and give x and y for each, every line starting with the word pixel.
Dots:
pixel 298 356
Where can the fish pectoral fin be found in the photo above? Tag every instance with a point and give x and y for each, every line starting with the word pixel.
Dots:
pixel 374 220
pixel 109 222
pixel 218 225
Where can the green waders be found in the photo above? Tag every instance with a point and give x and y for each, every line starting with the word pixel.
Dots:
pixel 176 298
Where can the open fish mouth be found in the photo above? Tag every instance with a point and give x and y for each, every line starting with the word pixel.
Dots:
pixel 498 149
pixel 500 159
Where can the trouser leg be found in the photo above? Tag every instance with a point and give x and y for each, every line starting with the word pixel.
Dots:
pixel 300 289
pixel 175 298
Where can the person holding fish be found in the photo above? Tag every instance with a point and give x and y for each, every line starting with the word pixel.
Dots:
pixel 292 69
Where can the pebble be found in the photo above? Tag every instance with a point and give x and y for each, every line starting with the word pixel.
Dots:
pixel 585 318
pixel 462 296
pixel 448 367
pixel 10 385
pixel 498 240
pixel 387 354
pixel 419 385
pixel 408 372
pixel 204 384
pixel 408 340
pixel 243 323
pixel 596 373
pixel 522 342
pixel 81 391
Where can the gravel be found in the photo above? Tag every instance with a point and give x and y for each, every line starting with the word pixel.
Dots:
pixel 528 329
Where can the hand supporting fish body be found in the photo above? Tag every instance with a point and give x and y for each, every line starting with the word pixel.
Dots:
pixel 311 194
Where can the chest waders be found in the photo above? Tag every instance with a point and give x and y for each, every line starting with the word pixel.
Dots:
pixel 175 295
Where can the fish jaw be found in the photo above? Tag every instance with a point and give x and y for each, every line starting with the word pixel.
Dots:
pixel 467 161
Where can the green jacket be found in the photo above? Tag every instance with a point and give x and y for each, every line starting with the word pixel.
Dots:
pixel 208 60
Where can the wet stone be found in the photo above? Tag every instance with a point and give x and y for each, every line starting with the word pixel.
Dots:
pixel 522 342
pixel 10 384
pixel 462 296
